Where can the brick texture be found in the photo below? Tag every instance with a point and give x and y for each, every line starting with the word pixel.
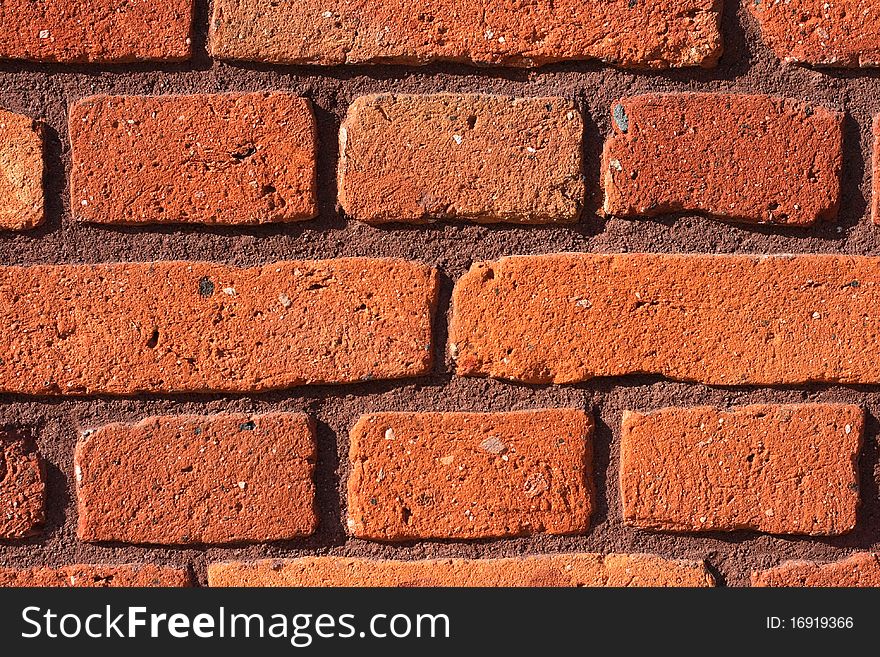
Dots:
pixel 72 31
pixel 22 488
pixel 480 158
pixel 753 159
pixel 664 34
pixel 21 171
pixel 836 33
pixel 859 570
pixel 721 320
pixel 777 469
pixel 178 326
pixel 182 480
pixel 470 475
pixel 92 576
pixel 544 570
pixel 210 159
pixel 875 192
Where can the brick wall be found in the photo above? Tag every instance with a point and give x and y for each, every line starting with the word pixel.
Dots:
pixel 322 293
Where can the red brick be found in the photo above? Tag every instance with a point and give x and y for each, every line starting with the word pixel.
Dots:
pixel 776 469
pixel 191 326
pixel 212 159
pixel 21 171
pixel 836 33
pixel 91 576
pixel 859 570
pixel 22 488
pixel 752 159
pixel 875 192
pixel 473 157
pixel 190 479
pixel 716 319
pixel 664 34
pixel 470 475
pixel 71 31
pixel 539 570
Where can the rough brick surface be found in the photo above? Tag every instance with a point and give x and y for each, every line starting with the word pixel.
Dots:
pixel 21 171
pixel 22 488
pixel 862 570
pixel 833 33
pixel 753 159
pixel 875 191
pixel 721 320
pixel 777 469
pixel 179 326
pixel 663 34
pixel 473 157
pixel 543 570
pixel 470 475
pixel 95 31
pixel 210 159
pixel 88 575
pixel 189 479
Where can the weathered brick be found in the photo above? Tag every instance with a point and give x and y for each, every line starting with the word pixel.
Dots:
pixel 22 488
pixel 21 171
pixel 190 479
pixel 108 31
pixel 832 33
pixel 88 575
pixel 752 159
pixel 470 475
pixel 862 570
pixel 777 469
pixel 663 34
pixel 481 158
pixel 539 570
pixel 875 192
pixel 207 159
pixel 191 326
pixel 717 319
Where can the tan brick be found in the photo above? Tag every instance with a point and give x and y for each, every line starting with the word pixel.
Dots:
pixel 21 171
pixel 209 159
pixel 191 326
pixel 482 158
pixel 721 320
pixel 22 488
pixel 664 34
pixel 108 31
pixel 539 570
pixel 88 575
pixel 859 570
pixel 188 479
pixel 751 159
pixel 470 475
pixel 836 33
pixel 777 469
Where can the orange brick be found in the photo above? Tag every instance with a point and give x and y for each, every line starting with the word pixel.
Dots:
pixel 720 320
pixel 481 158
pixel 87 575
pixel 22 488
pixel 664 34
pixel 189 479
pixel 540 570
pixel 859 570
pixel 875 192
pixel 21 171
pixel 213 159
pixel 191 326
pixel 841 33
pixel 752 159
pixel 108 31
pixel 470 475
pixel 777 469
